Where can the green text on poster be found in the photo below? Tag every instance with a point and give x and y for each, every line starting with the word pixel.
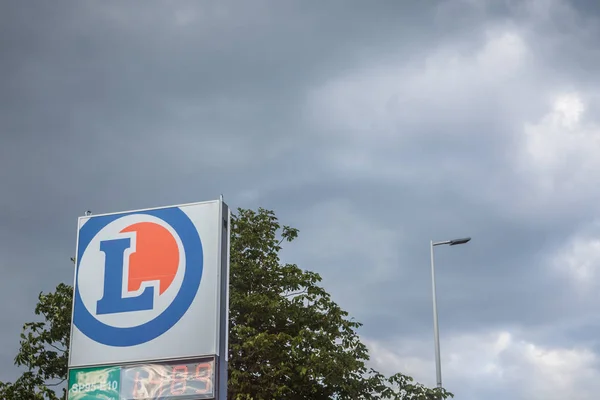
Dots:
pixel 101 383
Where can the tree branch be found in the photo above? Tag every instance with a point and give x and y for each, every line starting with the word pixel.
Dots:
pixel 57 383
pixel 295 293
pixel 56 348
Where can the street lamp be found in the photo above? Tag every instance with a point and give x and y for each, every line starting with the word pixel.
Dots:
pixel 436 331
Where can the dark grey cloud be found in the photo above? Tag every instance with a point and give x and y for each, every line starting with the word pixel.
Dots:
pixel 372 127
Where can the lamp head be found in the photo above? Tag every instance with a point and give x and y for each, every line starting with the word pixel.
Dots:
pixel 459 241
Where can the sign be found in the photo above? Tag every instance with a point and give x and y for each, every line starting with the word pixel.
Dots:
pixel 186 380
pixel 172 381
pixel 95 383
pixel 152 285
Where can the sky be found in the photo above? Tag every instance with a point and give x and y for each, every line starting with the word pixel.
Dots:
pixel 372 127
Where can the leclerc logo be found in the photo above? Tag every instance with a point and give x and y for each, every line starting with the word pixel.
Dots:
pixel 137 275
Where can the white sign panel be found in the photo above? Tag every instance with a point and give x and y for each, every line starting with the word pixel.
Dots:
pixel 151 285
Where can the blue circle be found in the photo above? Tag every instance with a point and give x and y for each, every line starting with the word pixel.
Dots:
pixel 131 336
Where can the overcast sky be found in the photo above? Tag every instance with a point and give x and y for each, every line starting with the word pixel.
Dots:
pixel 372 126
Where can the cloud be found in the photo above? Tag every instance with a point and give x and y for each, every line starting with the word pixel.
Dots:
pixel 372 127
pixel 354 254
pixel 578 261
pixel 378 119
pixel 498 364
pixel 561 149
pixel 375 96
pixel 468 96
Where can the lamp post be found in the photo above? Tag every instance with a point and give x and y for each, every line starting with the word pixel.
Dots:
pixel 436 331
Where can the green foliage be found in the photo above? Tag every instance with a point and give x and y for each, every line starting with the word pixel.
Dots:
pixel 43 349
pixel 288 338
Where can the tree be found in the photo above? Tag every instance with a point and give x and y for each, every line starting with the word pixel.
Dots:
pixel 44 349
pixel 288 339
